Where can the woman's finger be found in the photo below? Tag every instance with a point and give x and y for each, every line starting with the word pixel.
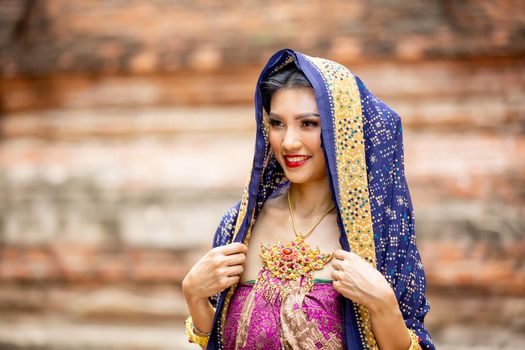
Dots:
pixel 340 254
pixel 235 259
pixel 336 265
pixel 336 284
pixel 234 270
pixel 335 275
pixel 234 248
pixel 231 280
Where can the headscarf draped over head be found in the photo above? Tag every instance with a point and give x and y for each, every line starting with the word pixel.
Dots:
pixel 362 143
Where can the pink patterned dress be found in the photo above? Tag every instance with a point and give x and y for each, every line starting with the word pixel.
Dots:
pixel 311 321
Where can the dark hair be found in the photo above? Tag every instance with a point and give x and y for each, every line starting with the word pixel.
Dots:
pixel 288 77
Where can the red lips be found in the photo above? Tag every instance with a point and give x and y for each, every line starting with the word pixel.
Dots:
pixel 295 160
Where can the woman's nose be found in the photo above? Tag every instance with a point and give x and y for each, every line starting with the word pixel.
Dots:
pixel 291 139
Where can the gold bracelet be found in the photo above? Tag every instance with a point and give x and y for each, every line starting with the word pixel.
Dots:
pixel 414 340
pixel 194 335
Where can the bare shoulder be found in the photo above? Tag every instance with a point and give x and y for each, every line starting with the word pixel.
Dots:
pixel 270 220
pixel 275 208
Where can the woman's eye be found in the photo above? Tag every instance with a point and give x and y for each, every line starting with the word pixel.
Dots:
pixel 310 123
pixel 275 122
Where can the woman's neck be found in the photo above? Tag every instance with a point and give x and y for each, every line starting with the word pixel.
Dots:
pixel 311 199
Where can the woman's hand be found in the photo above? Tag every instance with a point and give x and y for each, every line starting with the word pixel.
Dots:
pixel 359 281
pixel 220 268
pixel 217 270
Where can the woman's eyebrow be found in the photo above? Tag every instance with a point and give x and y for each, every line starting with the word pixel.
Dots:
pixel 297 116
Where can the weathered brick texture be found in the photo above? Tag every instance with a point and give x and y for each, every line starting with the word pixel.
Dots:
pixel 127 130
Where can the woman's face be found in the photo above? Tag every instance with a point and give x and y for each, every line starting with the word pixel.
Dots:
pixel 295 134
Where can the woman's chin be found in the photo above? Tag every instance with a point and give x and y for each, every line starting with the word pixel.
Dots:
pixel 303 178
pixel 298 178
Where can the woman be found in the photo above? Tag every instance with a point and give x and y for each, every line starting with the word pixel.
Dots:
pixel 320 252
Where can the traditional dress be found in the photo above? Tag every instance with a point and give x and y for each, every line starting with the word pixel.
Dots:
pixel 311 321
pixel 362 143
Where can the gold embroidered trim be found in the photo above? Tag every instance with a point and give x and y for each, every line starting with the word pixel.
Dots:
pixel 351 171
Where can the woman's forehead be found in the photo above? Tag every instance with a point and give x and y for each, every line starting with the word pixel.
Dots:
pixel 293 102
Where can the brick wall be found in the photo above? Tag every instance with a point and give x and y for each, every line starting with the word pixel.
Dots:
pixel 110 108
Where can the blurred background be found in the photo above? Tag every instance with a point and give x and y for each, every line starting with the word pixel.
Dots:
pixel 127 130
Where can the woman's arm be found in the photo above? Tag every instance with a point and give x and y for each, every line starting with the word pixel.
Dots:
pixel 357 280
pixel 201 311
pixel 388 325
pixel 217 270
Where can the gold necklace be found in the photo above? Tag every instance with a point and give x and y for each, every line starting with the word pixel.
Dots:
pixel 285 263
pixel 293 218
